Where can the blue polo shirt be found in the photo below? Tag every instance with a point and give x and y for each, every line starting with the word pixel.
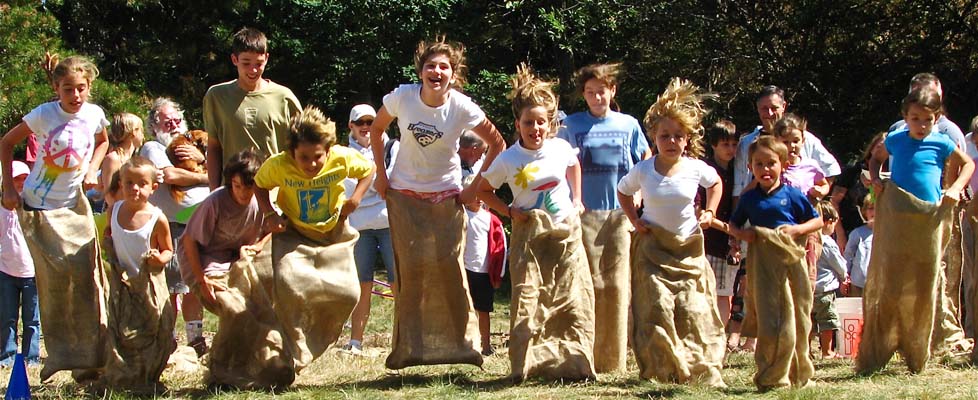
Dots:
pixel 785 205
pixel 917 166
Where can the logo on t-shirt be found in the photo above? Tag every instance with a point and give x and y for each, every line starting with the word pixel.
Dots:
pixel 251 116
pixel 312 205
pixel 424 133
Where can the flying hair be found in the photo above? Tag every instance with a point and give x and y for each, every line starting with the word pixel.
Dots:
pixel 682 102
pixel 530 91
pixel 454 50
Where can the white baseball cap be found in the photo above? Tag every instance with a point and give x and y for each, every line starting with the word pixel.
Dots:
pixel 20 168
pixel 362 110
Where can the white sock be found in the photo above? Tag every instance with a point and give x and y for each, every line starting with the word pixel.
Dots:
pixel 356 344
pixel 195 329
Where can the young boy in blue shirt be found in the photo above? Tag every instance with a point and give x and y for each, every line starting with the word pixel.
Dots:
pixel 779 298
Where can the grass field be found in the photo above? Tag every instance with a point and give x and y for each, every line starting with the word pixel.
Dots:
pixel 336 375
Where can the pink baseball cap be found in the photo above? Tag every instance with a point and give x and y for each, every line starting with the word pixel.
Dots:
pixel 20 168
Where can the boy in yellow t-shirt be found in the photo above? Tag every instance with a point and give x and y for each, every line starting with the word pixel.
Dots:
pixel 310 177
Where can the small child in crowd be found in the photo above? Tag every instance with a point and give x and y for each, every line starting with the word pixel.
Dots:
pixel 859 247
pixel 478 257
pixel 722 137
pixel 125 137
pixel 830 272
pixel 18 289
pixel 802 173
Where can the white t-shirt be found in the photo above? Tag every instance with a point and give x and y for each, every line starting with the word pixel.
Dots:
pixel 163 198
pixel 372 211
pixel 428 159
pixel 65 146
pixel 669 199
pixel 538 178
pixel 477 241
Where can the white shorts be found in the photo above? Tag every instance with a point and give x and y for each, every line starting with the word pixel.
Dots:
pixel 725 275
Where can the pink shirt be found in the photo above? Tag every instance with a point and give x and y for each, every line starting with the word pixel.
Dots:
pixel 803 175
pixel 15 259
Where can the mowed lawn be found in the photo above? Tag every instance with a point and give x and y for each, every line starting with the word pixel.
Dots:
pixel 336 375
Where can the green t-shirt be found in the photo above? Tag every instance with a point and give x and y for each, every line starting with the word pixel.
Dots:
pixel 242 120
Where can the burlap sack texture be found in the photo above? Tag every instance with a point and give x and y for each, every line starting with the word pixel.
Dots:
pixel 969 268
pixel 901 299
pixel 71 286
pixel 779 304
pixel 552 307
pixel 434 320
pixel 140 320
pixel 607 236
pixel 677 333
pixel 948 337
pixel 291 300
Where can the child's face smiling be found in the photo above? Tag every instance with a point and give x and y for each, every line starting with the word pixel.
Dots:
pixel 437 74
pixel 534 126
pixel 670 139
pixel 794 140
pixel 73 90
pixel 250 67
pixel 766 166
pixel 310 158
pixel 138 184
pixel 919 120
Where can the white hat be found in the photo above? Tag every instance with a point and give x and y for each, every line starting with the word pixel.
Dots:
pixel 360 111
pixel 20 168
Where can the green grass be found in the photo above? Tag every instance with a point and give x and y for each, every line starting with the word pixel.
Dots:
pixel 336 376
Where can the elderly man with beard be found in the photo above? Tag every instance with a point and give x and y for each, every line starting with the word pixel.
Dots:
pixel 165 121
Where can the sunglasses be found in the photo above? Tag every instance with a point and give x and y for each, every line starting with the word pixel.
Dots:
pixel 363 122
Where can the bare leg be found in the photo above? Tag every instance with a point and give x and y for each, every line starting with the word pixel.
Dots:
pixel 484 331
pixel 723 306
pixel 825 343
pixel 361 313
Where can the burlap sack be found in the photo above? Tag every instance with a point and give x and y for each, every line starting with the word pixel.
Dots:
pixel 607 236
pixel 140 319
pixel 552 307
pixel 677 333
pixel 434 320
pixel 969 268
pixel 948 336
pixel 71 286
pixel 901 294
pixel 780 296
pixel 292 299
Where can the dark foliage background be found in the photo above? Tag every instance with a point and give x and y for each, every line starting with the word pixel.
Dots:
pixel 844 63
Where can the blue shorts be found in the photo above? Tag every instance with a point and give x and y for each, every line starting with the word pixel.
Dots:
pixel 372 242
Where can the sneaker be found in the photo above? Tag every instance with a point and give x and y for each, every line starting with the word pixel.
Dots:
pixel 353 349
pixel 200 346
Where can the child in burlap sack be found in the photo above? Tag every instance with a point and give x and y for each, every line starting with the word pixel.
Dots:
pixel 779 300
pixel 677 333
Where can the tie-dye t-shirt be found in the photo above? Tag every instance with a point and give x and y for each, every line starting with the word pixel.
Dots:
pixel 65 146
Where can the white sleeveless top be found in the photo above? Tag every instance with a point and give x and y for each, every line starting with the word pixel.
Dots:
pixel 132 245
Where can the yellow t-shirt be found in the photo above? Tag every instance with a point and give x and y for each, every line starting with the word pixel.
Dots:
pixel 312 205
